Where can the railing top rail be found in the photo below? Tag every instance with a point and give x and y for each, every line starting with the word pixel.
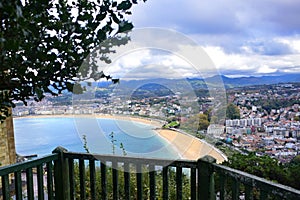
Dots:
pixel 136 160
pixel 245 178
pixel 27 164
pixel 255 181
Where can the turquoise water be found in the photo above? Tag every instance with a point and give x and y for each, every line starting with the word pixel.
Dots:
pixel 42 135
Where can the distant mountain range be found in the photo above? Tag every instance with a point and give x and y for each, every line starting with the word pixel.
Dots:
pixel 263 80
pixel 215 80
pixel 161 86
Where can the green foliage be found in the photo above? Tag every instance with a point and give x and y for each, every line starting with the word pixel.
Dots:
pixel 196 123
pixel 113 142
pixel 172 124
pixel 268 168
pixel 228 151
pixel 253 164
pixel 294 176
pixel 123 149
pixel 203 122
pixel 232 112
pixel 269 104
pixel 113 145
pixel 85 146
pixel 133 181
pixel 43 45
pixel 295 160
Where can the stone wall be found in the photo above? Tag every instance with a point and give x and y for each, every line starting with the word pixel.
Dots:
pixel 7 142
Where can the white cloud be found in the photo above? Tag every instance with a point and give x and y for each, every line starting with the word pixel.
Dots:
pixel 151 63
pixel 265 69
pixel 292 42
pixel 147 63
pixel 246 36
pixel 255 64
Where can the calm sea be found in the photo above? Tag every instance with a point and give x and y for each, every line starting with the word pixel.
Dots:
pixel 42 135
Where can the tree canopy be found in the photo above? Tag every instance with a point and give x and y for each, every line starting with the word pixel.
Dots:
pixel 44 42
pixel 232 111
pixel 267 167
pixel 198 122
pixel 203 122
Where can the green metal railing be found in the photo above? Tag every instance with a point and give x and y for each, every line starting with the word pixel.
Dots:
pixel 66 175
pixel 228 183
pixel 30 175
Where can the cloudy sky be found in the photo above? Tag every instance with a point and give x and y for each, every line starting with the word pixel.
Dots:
pixel 251 37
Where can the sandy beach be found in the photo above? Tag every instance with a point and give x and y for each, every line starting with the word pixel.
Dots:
pixel 187 146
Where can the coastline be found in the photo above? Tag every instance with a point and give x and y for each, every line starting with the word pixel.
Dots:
pixel 190 147
pixel 186 146
pixel 147 121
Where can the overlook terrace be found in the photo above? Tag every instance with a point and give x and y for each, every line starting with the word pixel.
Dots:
pixel 75 175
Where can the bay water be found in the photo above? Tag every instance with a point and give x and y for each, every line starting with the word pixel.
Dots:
pixel 103 136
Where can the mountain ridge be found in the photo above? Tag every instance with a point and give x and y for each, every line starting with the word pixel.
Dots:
pixel 227 81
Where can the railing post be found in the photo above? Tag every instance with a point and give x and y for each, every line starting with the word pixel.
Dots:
pixel 206 188
pixel 61 175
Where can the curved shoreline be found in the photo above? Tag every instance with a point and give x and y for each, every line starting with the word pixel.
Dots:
pixel 190 147
pixel 154 122
pixel 187 146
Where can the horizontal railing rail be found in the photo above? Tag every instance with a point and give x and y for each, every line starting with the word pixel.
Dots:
pixel 19 180
pixel 137 160
pixel 27 164
pixel 69 175
pixel 253 187
pixel 130 178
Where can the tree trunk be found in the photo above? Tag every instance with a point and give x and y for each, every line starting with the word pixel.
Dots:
pixel 7 141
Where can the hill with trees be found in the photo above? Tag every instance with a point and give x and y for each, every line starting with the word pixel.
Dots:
pixel 268 168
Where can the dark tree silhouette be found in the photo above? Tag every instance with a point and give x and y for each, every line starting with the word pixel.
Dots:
pixel 44 42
